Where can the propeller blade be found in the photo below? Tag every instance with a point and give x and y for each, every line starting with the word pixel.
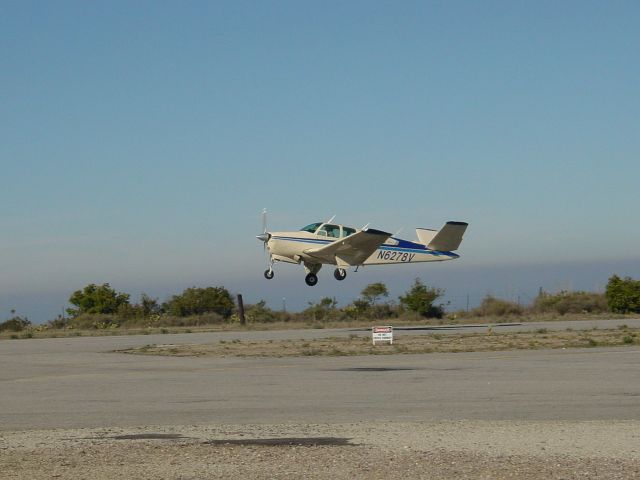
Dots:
pixel 264 220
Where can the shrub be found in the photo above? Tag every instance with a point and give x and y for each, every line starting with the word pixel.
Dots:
pixel 565 302
pixel 623 295
pixel 495 307
pixel 97 299
pixel 15 324
pixel 420 299
pixel 359 308
pixel 58 322
pixel 259 312
pixel 199 301
pixel 325 309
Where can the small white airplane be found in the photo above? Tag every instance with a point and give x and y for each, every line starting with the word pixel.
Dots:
pixel 328 243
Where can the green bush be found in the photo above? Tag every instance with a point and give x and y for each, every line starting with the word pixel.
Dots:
pixel 420 299
pixel 200 301
pixel 623 295
pixel 97 299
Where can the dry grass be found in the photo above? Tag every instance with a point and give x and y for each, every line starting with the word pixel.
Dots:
pixel 358 345
pixel 42 331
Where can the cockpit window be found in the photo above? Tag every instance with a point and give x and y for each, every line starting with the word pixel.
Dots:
pixel 332 230
pixel 311 228
pixel 346 231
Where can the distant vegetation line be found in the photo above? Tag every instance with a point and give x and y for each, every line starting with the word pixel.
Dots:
pixel 102 307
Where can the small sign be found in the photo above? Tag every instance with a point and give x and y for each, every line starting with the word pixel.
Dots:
pixel 382 334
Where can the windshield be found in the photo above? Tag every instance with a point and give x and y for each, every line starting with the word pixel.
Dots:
pixel 311 228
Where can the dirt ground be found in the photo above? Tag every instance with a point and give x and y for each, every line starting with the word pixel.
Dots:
pixel 451 450
pixel 432 343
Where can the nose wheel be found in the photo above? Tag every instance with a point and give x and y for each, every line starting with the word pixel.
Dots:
pixel 311 279
pixel 268 274
pixel 340 274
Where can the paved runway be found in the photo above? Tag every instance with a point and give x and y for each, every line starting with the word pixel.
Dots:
pixel 78 382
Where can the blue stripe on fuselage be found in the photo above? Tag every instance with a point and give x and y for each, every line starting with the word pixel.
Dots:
pixel 304 240
pixel 437 253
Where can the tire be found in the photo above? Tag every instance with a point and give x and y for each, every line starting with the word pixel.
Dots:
pixel 268 274
pixel 311 279
pixel 340 274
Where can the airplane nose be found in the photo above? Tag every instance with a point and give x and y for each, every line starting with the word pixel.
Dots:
pixel 264 237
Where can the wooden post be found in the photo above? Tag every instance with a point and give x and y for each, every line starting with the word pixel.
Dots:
pixel 241 310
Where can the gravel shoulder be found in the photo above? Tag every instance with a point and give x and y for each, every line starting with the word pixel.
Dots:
pixel 463 449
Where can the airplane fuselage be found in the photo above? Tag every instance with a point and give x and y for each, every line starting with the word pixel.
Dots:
pixel 289 247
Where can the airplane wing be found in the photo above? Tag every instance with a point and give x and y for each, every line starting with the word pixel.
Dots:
pixel 351 250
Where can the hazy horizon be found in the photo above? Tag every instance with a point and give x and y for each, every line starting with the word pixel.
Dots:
pixel 516 283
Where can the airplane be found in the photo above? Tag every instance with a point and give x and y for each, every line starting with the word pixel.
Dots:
pixel 327 243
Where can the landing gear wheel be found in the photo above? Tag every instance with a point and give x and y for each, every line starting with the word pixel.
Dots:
pixel 340 274
pixel 311 279
pixel 268 274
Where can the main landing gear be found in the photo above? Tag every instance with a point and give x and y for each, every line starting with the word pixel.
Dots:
pixel 340 274
pixel 312 278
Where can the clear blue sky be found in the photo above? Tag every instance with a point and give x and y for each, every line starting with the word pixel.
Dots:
pixel 139 141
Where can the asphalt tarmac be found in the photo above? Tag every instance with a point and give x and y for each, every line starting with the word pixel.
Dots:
pixel 80 382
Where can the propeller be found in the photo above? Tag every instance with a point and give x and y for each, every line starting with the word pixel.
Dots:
pixel 265 236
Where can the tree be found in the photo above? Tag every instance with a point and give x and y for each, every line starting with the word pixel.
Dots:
pixel 623 294
pixel 97 299
pixel 149 305
pixel 373 291
pixel 420 299
pixel 200 301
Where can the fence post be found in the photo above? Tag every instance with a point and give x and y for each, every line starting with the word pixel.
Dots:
pixel 241 310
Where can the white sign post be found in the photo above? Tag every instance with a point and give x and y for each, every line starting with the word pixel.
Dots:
pixel 382 334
